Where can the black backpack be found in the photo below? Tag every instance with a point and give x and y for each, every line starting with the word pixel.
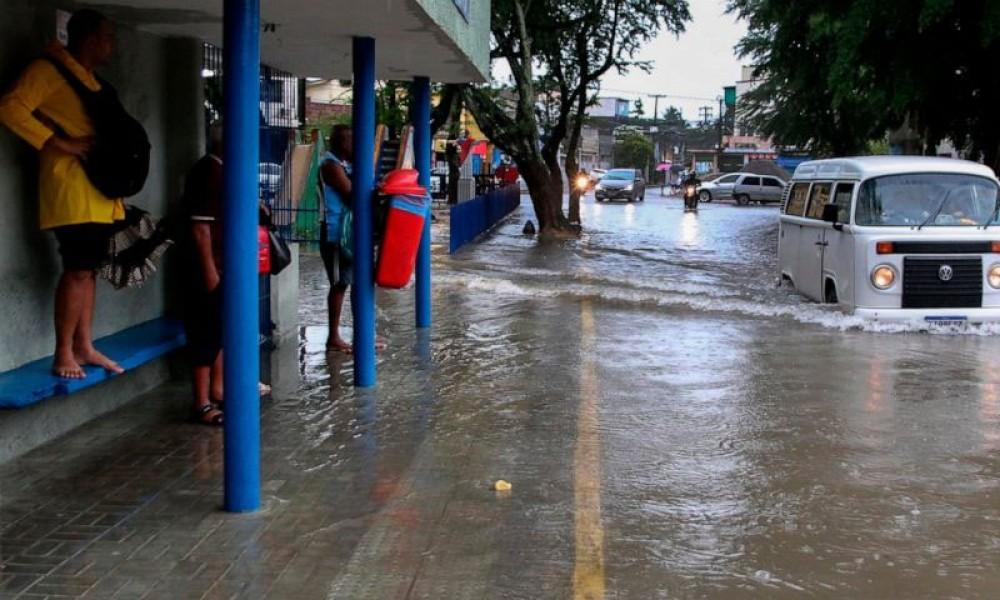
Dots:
pixel 118 162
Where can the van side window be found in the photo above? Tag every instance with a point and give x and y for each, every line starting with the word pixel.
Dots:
pixel 797 200
pixel 772 182
pixel 819 197
pixel 752 181
pixel 842 198
pixel 729 179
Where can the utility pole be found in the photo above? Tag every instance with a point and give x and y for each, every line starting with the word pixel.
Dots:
pixel 718 154
pixel 706 114
pixel 656 106
pixel 656 118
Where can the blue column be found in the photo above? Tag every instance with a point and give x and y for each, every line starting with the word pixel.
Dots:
pixel 362 186
pixel 421 118
pixel 241 329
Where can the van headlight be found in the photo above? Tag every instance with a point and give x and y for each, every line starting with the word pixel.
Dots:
pixel 883 277
pixel 993 277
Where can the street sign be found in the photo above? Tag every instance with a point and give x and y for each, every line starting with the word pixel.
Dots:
pixel 730 94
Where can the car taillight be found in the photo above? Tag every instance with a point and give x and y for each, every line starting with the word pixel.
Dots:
pixel 995 247
pixel 885 248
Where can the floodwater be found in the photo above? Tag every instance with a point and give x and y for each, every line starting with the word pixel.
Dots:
pixel 674 425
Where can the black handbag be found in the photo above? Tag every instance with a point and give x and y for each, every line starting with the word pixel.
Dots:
pixel 281 255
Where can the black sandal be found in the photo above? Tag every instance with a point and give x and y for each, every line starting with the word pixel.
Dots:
pixel 201 413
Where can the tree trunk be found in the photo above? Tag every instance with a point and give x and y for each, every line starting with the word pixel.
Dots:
pixel 575 193
pixel 546 197
pixel 572 164
pixel 454 172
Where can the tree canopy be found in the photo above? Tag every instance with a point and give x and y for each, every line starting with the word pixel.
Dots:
pixel 634 151
pixel 837 74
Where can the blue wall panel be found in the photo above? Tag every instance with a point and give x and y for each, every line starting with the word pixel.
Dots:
pixel 471 219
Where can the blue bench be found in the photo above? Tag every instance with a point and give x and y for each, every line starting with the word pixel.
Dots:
pixel 131 348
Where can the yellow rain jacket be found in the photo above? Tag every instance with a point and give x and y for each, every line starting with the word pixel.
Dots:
pixel 42 95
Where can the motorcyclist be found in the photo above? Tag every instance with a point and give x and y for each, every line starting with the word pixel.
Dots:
pixel 690 187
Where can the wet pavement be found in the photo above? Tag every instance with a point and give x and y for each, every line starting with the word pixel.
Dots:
pixel 674 426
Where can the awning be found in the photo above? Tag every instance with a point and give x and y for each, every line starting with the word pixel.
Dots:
pixel 313 37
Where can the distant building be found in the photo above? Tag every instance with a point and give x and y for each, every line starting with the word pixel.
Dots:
pixel 327 98
pixel 745 137
pixel 615 108
pixel 590 148
pixel 606 148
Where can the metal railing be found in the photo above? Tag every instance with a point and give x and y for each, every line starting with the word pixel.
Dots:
pixel 282 105
pixel 471 219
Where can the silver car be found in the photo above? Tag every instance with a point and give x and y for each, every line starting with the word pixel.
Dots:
pixel 719 189
pixel 763 189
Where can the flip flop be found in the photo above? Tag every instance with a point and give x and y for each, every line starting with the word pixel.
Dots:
pixel 200 416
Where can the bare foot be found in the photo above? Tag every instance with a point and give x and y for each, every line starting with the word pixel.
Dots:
pixel 342 346
pixel 219 399
pixel 67 367
pixel 339 345
pixel 93 357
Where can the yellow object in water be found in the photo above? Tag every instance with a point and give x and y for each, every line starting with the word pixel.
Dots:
pixel 501 486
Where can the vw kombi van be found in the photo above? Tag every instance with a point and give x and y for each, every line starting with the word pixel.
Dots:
pixel 895 238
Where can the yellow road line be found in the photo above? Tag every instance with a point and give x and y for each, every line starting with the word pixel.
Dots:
pixel 588 572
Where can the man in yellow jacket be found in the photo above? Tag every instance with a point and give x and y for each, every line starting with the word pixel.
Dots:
pixel 44 110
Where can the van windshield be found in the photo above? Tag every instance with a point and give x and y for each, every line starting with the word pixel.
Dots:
pixel 929 199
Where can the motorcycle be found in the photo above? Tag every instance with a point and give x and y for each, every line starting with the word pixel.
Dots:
pixel 690 198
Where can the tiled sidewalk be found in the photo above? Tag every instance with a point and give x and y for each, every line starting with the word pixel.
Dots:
pixel 381 494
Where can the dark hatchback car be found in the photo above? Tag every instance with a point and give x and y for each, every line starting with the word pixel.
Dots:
pixel 621 184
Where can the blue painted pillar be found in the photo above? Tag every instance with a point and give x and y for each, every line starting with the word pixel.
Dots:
pixel 363 186
pixel 421 118
pixel 241 81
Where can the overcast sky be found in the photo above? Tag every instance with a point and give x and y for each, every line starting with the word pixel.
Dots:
pixel 696 65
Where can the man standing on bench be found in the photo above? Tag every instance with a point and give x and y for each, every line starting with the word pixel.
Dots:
pixel 43 109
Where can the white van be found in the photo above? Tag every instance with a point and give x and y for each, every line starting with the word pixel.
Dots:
pixel 895 238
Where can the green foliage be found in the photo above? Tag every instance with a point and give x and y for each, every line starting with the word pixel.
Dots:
pixel 634 151
pixel 392 106
pixel 840 73
pixel 638 110
pixel 325 124
pixel 878 147
pixel 673 117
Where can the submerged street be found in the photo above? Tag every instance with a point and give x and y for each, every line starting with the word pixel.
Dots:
pixel 673 425
pixel 751 444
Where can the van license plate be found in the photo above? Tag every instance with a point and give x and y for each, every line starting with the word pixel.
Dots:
pixel 947 322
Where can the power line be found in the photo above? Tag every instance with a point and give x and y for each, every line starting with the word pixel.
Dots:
pixel 652 95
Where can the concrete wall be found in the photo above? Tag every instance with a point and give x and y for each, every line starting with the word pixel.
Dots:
pixel 159 82
pixel 472 36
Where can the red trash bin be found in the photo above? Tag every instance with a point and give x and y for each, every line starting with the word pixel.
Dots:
pixel 404 226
